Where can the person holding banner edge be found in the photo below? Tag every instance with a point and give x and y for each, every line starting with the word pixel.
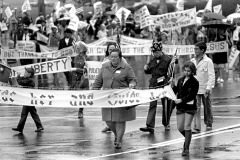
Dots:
pixel 186 103
pixel 116 74
pixel 27 81
pixel 158 68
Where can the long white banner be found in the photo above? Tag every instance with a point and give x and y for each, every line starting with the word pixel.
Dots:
pixel 175 20
pixel 127 50
pixel 55 66
pixel 84 99
pixel 124 40
pixel 140 50
pixel 20 54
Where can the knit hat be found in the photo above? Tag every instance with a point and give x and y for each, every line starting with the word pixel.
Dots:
pixel 156 46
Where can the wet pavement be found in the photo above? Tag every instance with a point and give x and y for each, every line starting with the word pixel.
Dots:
pixel 67 137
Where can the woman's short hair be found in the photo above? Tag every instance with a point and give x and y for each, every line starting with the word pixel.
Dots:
pixel 202 46
pixel 107 53
pixel 191 66
pixel 118 51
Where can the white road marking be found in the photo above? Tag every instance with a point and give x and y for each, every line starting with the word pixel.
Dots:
pixel 166 143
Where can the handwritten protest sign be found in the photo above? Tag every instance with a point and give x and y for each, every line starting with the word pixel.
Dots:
pixel 93 68
pixel 55 66
pixel 26 46
pixel 144 13
pixel 8 12
pixel 84 99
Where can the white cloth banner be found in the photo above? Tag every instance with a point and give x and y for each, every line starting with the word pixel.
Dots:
pixel 127 50
pixel 233 56
pixel 84 99
pixel 124 40
pixel 20 54
pixel 55 66
pixel 93 68
pixel 175 20
pixel 135 41
pixel 26 6
pixel 8 12
pixel 140 50
pixel 42 38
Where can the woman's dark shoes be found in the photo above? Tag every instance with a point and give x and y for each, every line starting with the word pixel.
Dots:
pixel 39 129
pixel 185 152
pixel 16 129
pixel 147 129
pixel 118 145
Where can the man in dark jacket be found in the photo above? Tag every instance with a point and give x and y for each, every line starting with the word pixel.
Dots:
pixel 158 68
pixel 65 42
pixel 27 81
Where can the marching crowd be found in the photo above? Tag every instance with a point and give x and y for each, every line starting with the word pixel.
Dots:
pixel 194 88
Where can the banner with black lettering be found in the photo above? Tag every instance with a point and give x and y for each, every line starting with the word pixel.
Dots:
pixel 55 66
pixel 175 20
pixel 127 50
pixel 21 54
pixel 140 50
pixel 85 98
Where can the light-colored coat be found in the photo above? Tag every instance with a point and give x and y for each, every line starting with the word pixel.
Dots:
pixel 110 78
pixel 205 74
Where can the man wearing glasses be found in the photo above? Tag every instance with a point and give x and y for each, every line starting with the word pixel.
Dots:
pixel 206 77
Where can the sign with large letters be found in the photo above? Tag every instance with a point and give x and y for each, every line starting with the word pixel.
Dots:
pixel 93 68
pixel 55 66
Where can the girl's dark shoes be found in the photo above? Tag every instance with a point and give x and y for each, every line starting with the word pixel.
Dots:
pixel 185 152
pixel 118 145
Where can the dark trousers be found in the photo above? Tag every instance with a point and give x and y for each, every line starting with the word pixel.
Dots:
pixel 24 114
pixel 168 107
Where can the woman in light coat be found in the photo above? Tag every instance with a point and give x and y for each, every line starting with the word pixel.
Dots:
pixel 116 74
